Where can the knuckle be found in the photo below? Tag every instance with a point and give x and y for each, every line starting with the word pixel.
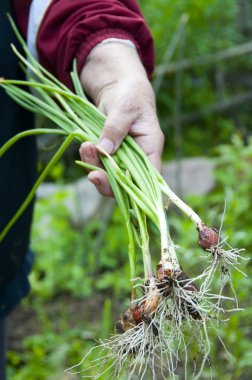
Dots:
pixel 130 105
pixel 114 130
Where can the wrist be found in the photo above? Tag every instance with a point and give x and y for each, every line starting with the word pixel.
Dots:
pixel 108 64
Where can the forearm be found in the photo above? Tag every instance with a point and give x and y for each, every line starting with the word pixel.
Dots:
pixel 110 64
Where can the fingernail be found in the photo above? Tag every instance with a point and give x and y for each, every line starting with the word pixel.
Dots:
pixel 92 178
pixel 107 145
pixel 88 152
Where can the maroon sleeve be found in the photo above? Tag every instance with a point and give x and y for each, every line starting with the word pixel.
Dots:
pixel 71 28
pixel 21 10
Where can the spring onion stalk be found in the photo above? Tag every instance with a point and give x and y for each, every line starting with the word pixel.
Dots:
pixel 32 132
pixel 166 304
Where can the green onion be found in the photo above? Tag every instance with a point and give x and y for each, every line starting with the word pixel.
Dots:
pixel 166 306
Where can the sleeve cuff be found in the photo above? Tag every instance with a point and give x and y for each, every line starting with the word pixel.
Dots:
pixel 96 38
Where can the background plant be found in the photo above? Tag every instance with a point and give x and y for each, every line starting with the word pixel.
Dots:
pixel 208 30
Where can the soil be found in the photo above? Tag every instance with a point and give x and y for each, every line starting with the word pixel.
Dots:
pixel 25 320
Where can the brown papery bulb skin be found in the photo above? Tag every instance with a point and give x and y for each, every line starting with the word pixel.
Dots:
pixel 137 313
pixel 208 238
pixel 163 273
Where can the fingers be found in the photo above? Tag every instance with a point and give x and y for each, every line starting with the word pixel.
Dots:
pixel 89 154
pixel 100 180
pixel 116 127
pixel 152 144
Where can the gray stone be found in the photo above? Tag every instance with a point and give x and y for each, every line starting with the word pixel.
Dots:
pixel 80 198
pixel 190 175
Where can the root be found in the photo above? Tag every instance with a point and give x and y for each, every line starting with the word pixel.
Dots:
pixel 159 331
pixel 223 257
pixel 136 352
pixel 187 314
pixel 223 261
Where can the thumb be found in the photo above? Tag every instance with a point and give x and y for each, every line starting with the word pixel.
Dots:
pixel 116 127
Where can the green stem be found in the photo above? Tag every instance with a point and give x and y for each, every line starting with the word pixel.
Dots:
pixel 76 119
pixel 144 242
pixel 85 165
pixel 166 189
pixel 34 104
pixel 180 204
pixel 168 253
pixel 137 171
pixel 76 82
pixel 51 88
pixel 41 178
pixel 32 132
pixel 123 203
pixel 135 193
pixel 30 57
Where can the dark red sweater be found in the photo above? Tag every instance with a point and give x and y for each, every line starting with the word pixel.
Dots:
pixel 71 28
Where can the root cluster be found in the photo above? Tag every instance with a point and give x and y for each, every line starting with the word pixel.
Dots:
pixel 156 331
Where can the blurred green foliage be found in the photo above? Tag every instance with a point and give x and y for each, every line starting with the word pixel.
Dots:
pixel 188 100
pixel 86 253
pixel 80 279
pixel 205 30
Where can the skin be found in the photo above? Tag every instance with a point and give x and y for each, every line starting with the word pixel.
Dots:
pixel 123 92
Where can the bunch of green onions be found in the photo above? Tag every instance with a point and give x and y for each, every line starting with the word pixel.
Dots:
pixel 138 189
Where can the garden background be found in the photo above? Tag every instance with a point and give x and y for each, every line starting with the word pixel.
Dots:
pixel 203 84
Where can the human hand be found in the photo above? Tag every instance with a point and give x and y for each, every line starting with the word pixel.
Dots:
pixel 122 91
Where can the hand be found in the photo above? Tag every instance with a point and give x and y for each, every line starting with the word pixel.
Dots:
pixel 122 91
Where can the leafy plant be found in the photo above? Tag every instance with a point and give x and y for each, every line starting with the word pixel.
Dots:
pixel 105 283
